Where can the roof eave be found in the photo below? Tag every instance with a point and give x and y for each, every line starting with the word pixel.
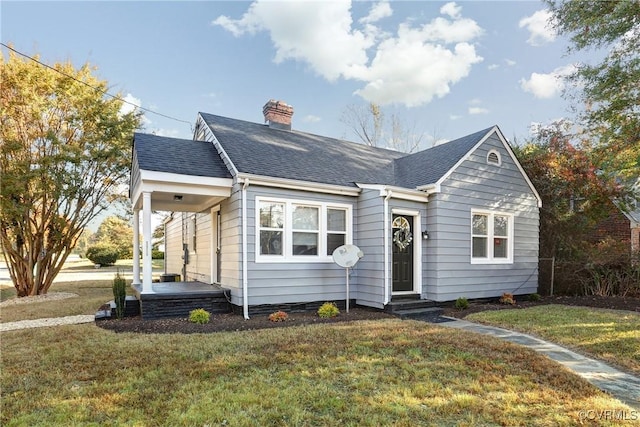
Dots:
pixel 293 184
pixel 403 193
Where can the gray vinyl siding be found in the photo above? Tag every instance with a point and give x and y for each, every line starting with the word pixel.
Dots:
pixel 370 239
pixel 292 282
pixel 173 245
pixel 231 244
pixel 448 272
pixel 199 267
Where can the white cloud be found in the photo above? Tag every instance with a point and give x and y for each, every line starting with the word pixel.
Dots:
pixel 171 133
pixel 454 117
pixel 540 28
pixel 130 103
pixel 410 67
pixel 491 67
pixel 451 9
pixel 510 62
pixel 545 86
pixel 311 119
pixel 475 101
pixel 478 110
pixel 378 11
pixel 318 33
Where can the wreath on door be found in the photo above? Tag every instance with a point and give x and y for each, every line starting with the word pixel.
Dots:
pixel 402 238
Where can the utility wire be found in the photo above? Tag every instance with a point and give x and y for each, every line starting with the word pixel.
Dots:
pixel 96 89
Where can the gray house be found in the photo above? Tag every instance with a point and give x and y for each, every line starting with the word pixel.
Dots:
pixel 259 209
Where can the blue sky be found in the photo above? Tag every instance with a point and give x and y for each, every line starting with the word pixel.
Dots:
pixel 446 69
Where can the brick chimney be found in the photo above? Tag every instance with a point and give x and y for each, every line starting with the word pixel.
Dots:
pixel 277 114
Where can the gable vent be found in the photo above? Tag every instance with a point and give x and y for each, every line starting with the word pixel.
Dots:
pixel 493 158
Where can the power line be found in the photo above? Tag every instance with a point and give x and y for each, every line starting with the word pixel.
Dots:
pixel 104 92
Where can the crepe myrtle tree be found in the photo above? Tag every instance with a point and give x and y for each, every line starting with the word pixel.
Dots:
pixel 65 149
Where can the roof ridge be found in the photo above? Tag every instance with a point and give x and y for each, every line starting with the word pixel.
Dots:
pixel 303 133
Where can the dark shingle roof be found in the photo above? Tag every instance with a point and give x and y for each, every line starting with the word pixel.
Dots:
pixel 182 156
pixel 428 166
pixel 258 149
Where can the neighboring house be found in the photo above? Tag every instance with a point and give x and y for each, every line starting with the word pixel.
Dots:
pixel 622 225
pixel 260 209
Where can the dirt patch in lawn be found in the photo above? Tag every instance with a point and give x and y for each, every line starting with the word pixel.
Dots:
pixel 235 322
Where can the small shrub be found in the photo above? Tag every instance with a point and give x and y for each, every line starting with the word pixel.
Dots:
pixel 534 297
pixel 102 254
pixel 199 316
pixel 156 254
pixel 119 294
pixel 278 316
pixel 462 303
pixel 328 309
pixel 507 298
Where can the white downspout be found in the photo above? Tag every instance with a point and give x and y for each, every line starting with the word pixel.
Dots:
pixel 386 246
pixel 245 281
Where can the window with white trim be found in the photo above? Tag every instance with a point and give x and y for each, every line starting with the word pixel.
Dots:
pixel 491 238
pixel 299 231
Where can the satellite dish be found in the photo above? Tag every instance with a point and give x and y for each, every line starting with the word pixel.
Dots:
pixel 347 255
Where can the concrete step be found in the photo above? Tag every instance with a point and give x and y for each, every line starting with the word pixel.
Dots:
pixel 408 304
pixel 415 313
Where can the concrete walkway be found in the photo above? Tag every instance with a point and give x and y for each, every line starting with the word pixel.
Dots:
pixel 622 386
pixel 50 321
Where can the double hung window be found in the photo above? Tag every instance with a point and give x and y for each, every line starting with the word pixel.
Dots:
pixel 292 230
pixel 491 238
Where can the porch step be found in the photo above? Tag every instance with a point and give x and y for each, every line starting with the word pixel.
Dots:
pixel 398 305
pixel 420 313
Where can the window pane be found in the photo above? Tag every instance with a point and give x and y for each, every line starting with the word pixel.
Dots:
pixel 271 215
pixel 334 241
pixel 305 243
pixel 479 247
pixel 336 220
pixel 480 224
pixel 500 225
pixel 270 242
pixel 500 248
pixel 305 218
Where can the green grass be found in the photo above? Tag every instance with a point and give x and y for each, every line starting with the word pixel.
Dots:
pixel 76 264
pixel 91 295
pixel 609 335
pixel 387 372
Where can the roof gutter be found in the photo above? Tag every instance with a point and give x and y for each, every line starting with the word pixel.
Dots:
pixel 245 280
pixel 294 184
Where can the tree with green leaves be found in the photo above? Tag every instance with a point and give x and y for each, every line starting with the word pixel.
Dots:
pixel 116 232
pixel 609 90
pixel 65 149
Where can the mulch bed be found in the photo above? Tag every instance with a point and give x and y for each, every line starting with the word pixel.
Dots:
pixel 235 322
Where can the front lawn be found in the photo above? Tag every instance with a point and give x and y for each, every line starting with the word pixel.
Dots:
pixel 609 335
pixel 91 295
pixel 374 373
